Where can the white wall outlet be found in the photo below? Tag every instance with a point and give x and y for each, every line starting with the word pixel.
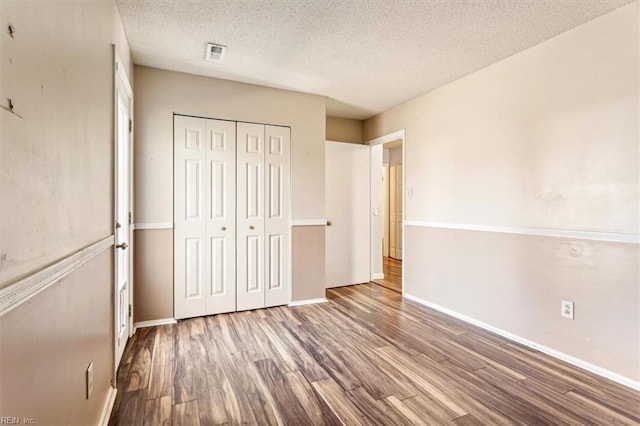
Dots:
pixel 89 380
pixel 566 309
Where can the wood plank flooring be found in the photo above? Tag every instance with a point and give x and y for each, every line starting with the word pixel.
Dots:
pixel 365 357
pixel 392 270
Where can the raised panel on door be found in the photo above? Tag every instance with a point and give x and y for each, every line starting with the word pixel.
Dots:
pixel 277 215
pixel 190 248
pixel 393 217
pixel 250 216
pixel 221 216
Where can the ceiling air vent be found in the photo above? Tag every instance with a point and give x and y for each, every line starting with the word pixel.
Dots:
pixel 214 52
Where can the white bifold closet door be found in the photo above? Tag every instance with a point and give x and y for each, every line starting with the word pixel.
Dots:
pixel 232 243
pixel 204 216
pixel 264 243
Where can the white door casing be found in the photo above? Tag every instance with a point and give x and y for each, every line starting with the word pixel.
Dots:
pixel 123 97
pixel 347 205
pixel 385 210
pixel 376 212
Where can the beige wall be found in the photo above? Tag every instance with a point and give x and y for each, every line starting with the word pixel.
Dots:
pixel 392 156
pixel 344 130
pixel 158 95
pixel 548 138
pixel 56 173
pixel 48 343
pixel 516 282
pixel 153 297
pixel 56 185
pixel 308 262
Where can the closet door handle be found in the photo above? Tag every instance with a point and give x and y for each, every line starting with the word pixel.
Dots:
pixel 224 228
pixel 251 227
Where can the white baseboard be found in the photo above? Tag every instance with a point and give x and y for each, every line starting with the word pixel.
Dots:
pixel 378 276
pixel 108 406
pixel 608 374
pixel 153 323
pixel 308 301
pixel 152 226
pixel 309 222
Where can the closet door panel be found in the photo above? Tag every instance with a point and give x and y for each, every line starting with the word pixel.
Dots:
pixel 221 216
pixel 277 210
pixel 190 248
pixel 250 288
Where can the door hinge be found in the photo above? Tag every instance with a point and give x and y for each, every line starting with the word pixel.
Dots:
pixel 130 125
pixel 130 310
pixel 130 221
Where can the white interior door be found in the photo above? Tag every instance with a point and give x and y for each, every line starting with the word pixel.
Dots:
pixel 190 224
pixel 393 216
pixel 221 216
pixel 277 221
pixel 399 192
pixel 250 288
pixel 122 287
pixel 347 207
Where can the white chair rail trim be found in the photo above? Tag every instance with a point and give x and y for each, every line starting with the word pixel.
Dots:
pixel 19 292
pixel 561 233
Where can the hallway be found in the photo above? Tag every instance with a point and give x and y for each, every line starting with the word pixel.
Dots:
pixel 392 270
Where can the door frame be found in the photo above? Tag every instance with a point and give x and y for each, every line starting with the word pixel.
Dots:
pixel 376 233
pixel 121 83
pixel 385 208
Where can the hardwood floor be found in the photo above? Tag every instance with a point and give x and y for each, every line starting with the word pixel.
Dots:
pixel 392 270
pixel 365 357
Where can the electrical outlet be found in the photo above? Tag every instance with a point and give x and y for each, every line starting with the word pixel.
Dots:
pixel 566 309
pixel 89 380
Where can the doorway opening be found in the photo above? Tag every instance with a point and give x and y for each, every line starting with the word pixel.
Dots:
pixel 388 201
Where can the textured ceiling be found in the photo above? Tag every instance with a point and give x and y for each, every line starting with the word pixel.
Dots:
pixel 364 56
